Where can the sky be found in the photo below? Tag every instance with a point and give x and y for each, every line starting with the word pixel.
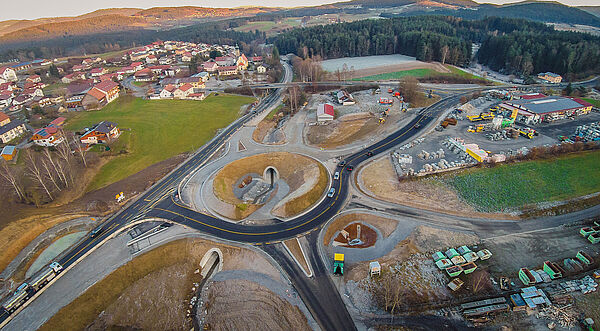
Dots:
pixel 31 9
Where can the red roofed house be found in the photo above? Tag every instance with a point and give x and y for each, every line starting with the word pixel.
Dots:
pixel 225 61
pixel 228 71
pixel 49 135
pixel 256 59
pixel 98 72
pixel 137 65
pixel 210 66
pixel 144 75
pixel 4 119
pixel 183 91
pixel 325 112
pixel 101 94
pixel 104 132
pixel 167 92
pixel 34 79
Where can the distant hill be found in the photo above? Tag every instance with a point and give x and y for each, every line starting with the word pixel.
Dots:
pixel 532 10
pixel 397 3
pixel 116 19
pixel 594 10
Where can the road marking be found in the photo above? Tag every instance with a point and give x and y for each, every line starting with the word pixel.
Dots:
pixel 94 239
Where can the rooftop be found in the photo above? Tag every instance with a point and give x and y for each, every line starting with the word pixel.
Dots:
pixel 546 105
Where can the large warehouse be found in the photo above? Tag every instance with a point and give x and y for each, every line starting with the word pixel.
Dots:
pixel 546 109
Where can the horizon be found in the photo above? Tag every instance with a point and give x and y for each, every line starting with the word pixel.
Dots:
pixel 68 8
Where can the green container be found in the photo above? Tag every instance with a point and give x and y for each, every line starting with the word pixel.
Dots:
pixel 594 238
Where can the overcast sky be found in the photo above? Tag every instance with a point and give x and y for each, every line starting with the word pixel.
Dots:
pixel 30 9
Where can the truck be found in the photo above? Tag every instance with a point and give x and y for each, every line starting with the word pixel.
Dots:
pixel 338 264
pixel 17 299
pixel 42 278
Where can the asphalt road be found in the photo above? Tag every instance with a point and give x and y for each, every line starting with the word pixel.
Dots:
pixel 172 209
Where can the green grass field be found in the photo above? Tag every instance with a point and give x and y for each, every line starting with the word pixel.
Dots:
pixel 594 102
pixel 159 129
pixel 399 74
pixel 514 185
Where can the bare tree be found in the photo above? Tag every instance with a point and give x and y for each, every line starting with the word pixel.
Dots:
pixel 49 173
pixel 11 177
pixel 81 150
pixel 35 172
pixel 58 169
pixel 445 50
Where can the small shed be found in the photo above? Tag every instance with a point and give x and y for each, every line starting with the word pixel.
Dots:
pixel 484 254
pixel 443 263
pixel 9 152
pixel 455 284
pixel 374 268
pixel 471 256
pixel 469 267
pixel 325 112
pixel 454 271
pixel 458 260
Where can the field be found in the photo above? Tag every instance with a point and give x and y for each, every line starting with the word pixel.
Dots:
pixel 511 186
pixel 399 74
pixel 594 102
pixel 270 27
pixel 155 130
pixel 366 62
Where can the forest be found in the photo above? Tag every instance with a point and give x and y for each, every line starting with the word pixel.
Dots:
pixel 510 45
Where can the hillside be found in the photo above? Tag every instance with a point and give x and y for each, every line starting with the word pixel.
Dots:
pixel 594 10
pixel 536 11
pixel 114 20
pixel 396 3
pixel 105 23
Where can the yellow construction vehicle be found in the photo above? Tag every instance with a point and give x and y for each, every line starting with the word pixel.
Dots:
pixel 480 117
pixel 476 128
pixel 381 120
pixel 527 132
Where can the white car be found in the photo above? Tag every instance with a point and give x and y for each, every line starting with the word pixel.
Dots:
pixel 336 176
pixel 331 192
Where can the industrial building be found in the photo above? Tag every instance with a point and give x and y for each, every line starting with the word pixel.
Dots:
pixel 545 108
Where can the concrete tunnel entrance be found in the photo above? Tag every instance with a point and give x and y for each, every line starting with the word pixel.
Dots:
pixel 211 262
pixel 271 175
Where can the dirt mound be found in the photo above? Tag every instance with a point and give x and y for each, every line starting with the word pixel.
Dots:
pixel 368 236
pixel 245 305
pixel 347 129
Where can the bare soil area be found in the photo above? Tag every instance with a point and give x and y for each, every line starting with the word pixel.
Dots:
pixel 347 129
pixel 368 236
pixel 262 129
pixel 385 225
pixel 379 180
pixel 246 305
pixel 152 291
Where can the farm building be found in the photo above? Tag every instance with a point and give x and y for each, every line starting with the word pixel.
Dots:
pixel 325 112
pixel 546 109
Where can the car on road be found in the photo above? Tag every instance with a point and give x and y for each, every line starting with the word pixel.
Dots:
pixel 341 164
pixel 417 126
pixel 369 153
pixel 331 193
pixel 96 232
pixel 336 176
pixel 349 168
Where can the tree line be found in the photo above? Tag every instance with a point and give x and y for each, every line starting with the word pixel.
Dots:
pixel 511 45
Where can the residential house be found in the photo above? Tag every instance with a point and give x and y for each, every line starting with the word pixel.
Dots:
pixel 5 100
pixel 151 59
pixel 11 130
pixel 165 60
pixel 203 75
pixel 49 135
pixel 197 96
pixel 96 72
pixel 225 61
pixel 228 70
pixel 4 119
pixel 34 79
pixel 144 75
pixel 550 77
pixel 101 94
pixel 73 77
pixel 21 66
pixel 325 112
pixel 137 66
pixel 78 67
pixel 9 152
pixel 261 69
pixel 195 81
pixel 186 57
pixel 256 59
pixel 210 66
pixel 183 91
pixel 103 133
pixel 8 74
pixel 167 92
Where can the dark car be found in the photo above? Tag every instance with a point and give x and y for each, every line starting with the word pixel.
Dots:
pixel 341 164
pixel 96 232
pixel 369 153
pixel 417 126
pixel 349 168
